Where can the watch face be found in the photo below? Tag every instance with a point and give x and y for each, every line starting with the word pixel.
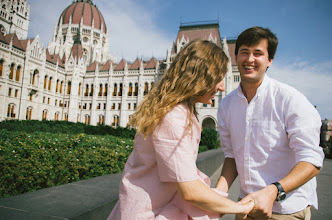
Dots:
pixel 282 196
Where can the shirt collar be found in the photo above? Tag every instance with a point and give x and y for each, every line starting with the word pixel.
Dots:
pixel 262 86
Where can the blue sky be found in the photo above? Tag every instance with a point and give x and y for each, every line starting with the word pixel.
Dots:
pixel 145 28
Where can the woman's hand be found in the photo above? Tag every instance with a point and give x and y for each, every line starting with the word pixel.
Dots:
pixel 247 207
pixel 200 195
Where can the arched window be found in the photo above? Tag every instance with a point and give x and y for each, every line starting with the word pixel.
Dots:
pixel 61 86
pixel 152 85
pixel 56 116
pixel 115 121
pixel 100 93
pixel 34 76
pixel 78 118
pixel 44 114
pixel 146 88
pixel 86 90
pixel 130 91
pixel 91 93
pixel 69 88
pixel 50 84
pixel 11 74
pixel 11 111
pixel 101 120
pixel 66 116
pixel 87 119
pixel 79 88
pixel 106 88
pixel 29 112
pixel 45 82
pixel 136 89
pixel 120 90
pixel 1 67
pixel 18 73
pixel 57 86
pixel 115 89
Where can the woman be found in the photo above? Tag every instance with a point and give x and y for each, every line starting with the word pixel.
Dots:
pixel 160 179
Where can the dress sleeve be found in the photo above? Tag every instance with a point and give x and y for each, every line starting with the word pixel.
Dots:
pixel 175 148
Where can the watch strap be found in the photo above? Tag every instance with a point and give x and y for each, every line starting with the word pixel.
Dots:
pixel 279 186
pixel 280 190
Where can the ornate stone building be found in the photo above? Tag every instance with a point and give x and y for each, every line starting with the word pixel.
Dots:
pixel 326 132
pixel 14 16
pixel 75 78
pixel 208 31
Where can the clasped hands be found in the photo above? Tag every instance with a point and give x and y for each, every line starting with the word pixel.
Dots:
pixel 264 200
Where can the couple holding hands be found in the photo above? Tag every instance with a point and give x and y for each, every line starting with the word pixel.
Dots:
pixel 269 133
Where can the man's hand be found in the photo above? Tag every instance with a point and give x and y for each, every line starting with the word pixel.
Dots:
pixel 264 200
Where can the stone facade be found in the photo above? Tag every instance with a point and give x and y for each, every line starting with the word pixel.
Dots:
pixel 76 79
pixel 14 16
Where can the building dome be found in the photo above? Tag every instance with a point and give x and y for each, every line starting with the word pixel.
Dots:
pixel 83 10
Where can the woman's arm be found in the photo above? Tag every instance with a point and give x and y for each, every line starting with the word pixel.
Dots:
pixel 201 196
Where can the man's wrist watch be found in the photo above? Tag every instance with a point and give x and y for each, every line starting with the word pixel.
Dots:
pixel 281 192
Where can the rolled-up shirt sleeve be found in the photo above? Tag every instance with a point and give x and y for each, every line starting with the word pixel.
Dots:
pixel 173 144
pixel 303 129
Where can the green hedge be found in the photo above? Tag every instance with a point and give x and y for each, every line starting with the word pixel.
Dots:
pixel 30 126
pixel 42 154
pixel 39 160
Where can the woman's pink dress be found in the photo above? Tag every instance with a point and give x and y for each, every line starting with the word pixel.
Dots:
pixel 168 155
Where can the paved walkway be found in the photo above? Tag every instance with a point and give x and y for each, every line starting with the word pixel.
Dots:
pixel 324 190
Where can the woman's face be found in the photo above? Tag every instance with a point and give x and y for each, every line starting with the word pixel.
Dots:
pixel 207 98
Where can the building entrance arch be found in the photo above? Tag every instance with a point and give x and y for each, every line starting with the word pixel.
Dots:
pixel 209 123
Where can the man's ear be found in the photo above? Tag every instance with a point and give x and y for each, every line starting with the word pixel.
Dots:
pixel 270 62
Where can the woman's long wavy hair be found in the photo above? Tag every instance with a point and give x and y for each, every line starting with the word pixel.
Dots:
pixel 197 69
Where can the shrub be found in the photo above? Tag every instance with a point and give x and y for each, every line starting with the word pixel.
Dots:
pixel 210 138
pixel 202 148
pixel 41 154
pixel 39 160
pixel 30 126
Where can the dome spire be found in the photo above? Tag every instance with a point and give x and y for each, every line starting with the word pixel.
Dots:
pixel 88 1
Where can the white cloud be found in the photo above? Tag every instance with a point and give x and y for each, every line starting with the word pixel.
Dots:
pixel 44 15
pixel 133 32
pixel 314 80
pixel 131 27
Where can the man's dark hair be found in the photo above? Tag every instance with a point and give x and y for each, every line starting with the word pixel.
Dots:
pixel 253 36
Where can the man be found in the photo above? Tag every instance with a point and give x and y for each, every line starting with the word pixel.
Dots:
pixel 269 133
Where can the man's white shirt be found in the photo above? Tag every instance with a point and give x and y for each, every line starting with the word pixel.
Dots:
pixel 268 137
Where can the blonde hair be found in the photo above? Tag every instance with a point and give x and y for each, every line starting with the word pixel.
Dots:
pixel 197 69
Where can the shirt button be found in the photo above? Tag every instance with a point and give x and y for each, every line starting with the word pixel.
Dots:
pixel 246 139
pixel 246 158
pixel 247 178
